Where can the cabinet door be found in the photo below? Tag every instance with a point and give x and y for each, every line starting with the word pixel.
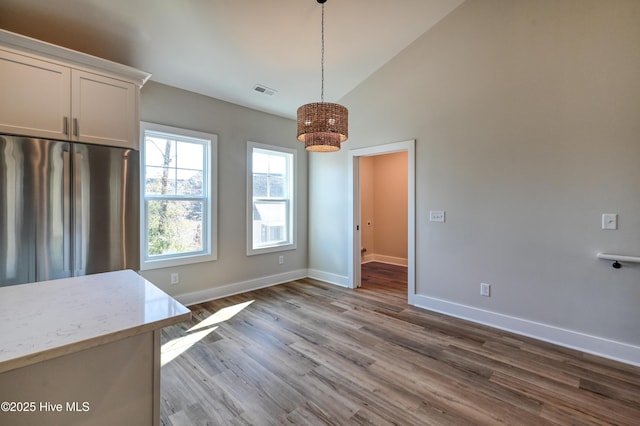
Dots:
pixel 103 110
pixel 34 97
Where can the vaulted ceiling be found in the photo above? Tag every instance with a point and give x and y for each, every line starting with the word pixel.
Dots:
pixel 223 48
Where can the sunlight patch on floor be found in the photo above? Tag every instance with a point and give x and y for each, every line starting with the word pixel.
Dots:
pixel 176 347
pixel 222 315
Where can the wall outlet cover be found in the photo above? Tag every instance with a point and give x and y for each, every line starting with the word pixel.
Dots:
pixel 609 221
pixel 485 289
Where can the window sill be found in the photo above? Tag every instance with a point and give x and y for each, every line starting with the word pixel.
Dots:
pixel 272 249
pixel 176 261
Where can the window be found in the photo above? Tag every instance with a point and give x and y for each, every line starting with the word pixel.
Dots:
pixel 178 203
pixel 270 199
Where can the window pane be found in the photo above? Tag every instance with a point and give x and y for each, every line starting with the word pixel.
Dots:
pixel 277 164
pixel 159 181
pixel 174 168
pixel 270 223
pixel 277 186
pixel 160 152
pixel 260 162
pixel 174 227
pixel 189 182
pixel 260 185
pixel 190 155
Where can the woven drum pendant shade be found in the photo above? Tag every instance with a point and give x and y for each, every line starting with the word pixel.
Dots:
pixel 323 126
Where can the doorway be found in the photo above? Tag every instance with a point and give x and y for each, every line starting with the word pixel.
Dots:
pixel 355 225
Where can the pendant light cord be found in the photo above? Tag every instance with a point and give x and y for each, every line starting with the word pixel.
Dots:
pixel 322 60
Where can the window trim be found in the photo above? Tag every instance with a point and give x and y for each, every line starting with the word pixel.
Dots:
pixel 292 200
pixel 210 252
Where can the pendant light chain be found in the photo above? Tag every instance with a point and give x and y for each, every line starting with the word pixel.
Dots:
pixel 322 60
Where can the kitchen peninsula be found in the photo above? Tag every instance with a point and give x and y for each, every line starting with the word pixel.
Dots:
pixel 83 350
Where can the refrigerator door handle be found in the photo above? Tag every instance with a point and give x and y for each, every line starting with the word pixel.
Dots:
pixel 79 210
pixel 66 206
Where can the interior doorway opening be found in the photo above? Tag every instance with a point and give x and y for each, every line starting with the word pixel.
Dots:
pixel 357 223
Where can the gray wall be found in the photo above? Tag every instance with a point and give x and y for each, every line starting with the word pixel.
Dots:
pixel 526 116
pixel 234 126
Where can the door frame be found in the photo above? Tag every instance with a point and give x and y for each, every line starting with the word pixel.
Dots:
pixel 354 235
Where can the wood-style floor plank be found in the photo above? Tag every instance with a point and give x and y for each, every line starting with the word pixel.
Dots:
pixel 309 353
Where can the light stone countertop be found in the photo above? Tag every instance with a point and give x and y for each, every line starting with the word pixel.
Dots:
pixel 48 319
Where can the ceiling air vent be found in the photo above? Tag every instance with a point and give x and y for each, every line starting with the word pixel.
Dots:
pixel 264 89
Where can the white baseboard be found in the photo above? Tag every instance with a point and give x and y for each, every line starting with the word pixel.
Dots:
pixel 400 261
pixel 328 277
pixel 618 351
pixel 240 287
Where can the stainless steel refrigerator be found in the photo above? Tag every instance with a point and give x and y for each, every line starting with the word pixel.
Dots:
pixel 66 209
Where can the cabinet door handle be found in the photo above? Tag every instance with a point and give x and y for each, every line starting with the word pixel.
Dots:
pixel 76 130
pixel 65 125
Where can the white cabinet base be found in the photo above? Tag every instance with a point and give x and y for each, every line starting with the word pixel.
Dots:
pixel 113 384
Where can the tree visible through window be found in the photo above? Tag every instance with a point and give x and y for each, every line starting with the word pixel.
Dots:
pixel 177 197
pixel 271 195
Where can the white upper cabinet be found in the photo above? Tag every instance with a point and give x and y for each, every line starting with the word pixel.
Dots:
pixel 52 92
pixel 103 110
pixel 34 97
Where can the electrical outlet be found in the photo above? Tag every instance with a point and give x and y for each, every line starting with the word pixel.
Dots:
pixel 436 216
pixel 609 221
pixel 485 289
pixel 175 278
pixel 280 260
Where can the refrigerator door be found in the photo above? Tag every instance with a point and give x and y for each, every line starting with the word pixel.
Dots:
pixel 33 243
pixel 106 206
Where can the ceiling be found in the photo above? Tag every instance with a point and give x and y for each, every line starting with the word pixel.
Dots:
pixel 223 48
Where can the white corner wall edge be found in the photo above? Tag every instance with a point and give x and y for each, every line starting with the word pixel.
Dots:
pixel 202 296
pixel 328 277
pixel 599 346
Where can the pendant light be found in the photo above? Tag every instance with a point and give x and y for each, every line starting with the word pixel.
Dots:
pixel 322 126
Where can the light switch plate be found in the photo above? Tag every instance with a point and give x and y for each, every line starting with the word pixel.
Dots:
pixel 609 221
pixel 436 216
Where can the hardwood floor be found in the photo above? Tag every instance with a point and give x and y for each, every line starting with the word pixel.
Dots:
pixel 311 353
